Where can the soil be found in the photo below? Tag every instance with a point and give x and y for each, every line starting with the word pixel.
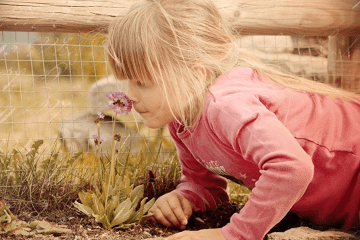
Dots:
pixel 84 227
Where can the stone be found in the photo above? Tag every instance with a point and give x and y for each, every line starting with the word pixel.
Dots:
pixel 305 233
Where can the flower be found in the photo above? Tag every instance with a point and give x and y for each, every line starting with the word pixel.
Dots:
pixel 119 102
pixel 100 115
pixel 99 118
pixel 96 139
pixel 117 137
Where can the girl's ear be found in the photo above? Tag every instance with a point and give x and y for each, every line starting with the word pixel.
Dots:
pixel 200 70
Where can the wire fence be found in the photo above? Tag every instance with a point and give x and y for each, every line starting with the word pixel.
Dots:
pixel 52 85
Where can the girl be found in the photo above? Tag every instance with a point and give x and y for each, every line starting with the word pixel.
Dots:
pixel 293 141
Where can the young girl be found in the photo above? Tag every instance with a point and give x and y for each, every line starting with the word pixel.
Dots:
pixel 293 141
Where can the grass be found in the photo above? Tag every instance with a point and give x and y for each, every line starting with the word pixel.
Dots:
pixel 37 174
pixel 37 182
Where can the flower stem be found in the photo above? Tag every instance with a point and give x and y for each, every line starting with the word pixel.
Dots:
pixel 98 155
pixel 113 145
pixel 112 164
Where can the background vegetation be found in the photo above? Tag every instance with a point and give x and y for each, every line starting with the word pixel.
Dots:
pixel 43 83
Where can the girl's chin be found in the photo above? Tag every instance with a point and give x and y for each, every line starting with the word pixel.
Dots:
pixel 152 123
pixel 155 122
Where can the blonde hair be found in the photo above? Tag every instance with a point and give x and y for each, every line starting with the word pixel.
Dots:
pixel 167 41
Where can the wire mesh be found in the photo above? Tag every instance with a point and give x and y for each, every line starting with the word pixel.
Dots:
pixel 53 84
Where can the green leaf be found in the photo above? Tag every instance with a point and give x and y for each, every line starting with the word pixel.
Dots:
pixel 117 185
pixel 121 218
pixel 40 225
pixel 144 218
pixel 138 214
pixel 122 212
pixel 148 205
pixel 124 226
pixel 85 209
pixel 97 206
pixel 102 219
pixel 46 227
pixel 123 194
pixel 113 202
pixel 136 195
pixel 86 198
pixel 14 225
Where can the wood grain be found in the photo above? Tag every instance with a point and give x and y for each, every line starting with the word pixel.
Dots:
pixel 255 17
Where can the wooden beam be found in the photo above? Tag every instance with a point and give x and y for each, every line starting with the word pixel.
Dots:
pixel 256 17
pixel 344 62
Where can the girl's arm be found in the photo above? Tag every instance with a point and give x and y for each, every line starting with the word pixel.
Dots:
pixel 286 169
pixel 203 188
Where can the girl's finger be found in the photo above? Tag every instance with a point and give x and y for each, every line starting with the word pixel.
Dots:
pixel 165 216
pixel 187 208
pixel 178 211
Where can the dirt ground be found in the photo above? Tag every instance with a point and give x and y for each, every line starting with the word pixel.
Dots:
pixel 84 227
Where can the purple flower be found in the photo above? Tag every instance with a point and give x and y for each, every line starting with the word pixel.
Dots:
pixel 100 115
pixel 96 139
pixel 119 102
pixel 117 137
pixel 99 118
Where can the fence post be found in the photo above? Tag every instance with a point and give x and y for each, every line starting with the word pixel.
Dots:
pixel 344 62
pixel 354 66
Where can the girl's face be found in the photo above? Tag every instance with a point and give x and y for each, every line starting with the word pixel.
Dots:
pixel 150 102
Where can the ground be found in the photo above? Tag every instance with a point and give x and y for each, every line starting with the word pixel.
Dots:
pixel 84 227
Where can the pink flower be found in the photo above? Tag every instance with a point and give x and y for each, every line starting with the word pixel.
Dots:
pixel 96 139
pixel 99 118
pixel 119 102
pixel 100 115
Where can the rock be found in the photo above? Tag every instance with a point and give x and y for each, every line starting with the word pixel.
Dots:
pixel 305 233
pixel 156 238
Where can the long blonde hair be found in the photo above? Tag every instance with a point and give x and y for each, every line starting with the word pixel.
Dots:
pixel 165 41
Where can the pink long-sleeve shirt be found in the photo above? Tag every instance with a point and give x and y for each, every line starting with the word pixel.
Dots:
pixel 297 151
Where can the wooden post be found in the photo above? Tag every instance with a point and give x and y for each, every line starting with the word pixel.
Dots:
pixel 337 57
pixel 344 62
pixel 354 66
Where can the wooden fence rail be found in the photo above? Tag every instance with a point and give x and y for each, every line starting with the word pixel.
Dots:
pixel 338 19
pixel 255 17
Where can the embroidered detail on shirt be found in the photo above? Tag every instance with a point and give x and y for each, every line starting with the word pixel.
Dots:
pixel 243 175
pixel 220 170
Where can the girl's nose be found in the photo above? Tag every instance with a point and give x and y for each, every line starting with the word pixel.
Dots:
pixel 131 92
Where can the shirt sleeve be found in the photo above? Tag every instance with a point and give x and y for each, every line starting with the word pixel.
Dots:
pixel 286 169
pixel 203 188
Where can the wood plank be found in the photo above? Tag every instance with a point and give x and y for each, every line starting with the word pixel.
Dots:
pixel 256 17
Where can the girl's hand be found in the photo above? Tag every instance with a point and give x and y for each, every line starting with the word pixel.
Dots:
pixel 171 210
pixel 206 234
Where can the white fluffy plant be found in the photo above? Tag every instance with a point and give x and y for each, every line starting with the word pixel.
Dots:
pixel 117 204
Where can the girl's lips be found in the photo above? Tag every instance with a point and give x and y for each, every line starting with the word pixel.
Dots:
pixel 142 113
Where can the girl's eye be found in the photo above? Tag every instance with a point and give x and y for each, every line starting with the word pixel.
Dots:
pixel 140 83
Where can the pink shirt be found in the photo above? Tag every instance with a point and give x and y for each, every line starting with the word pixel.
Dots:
pixel 297 151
